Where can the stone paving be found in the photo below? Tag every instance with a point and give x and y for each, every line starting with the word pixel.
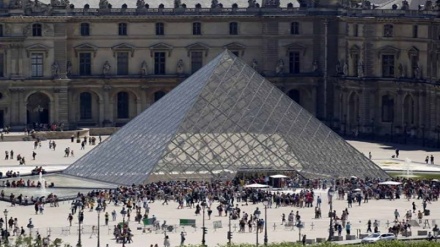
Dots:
pixel 55 219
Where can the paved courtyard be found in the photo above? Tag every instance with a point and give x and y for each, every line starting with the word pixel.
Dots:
pixel 54 221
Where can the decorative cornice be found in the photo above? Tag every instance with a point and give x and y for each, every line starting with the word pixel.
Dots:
pixel 85 48
pixel 161 47
pixel 37 48
pixel 296 47
pixel 235 46
pixel 197 47
pixel 123 47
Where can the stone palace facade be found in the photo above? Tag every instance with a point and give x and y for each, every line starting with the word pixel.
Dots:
pixel 365 69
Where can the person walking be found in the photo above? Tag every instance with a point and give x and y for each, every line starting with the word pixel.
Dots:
pixel 369 226
pixel 166 241
pixel 182 238
pixel 348 228
pixel 396 215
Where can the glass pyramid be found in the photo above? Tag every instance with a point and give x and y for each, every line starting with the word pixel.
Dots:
pixel 223 119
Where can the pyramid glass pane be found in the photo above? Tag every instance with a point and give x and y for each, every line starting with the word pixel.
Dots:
pixel 223 119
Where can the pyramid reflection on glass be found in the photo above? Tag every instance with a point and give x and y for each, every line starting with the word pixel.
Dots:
pixel 223 119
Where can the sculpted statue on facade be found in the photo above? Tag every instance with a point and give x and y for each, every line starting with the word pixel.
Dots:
pixel 140 4
pixel 180 67
pixel 417 71
pixel 144 69
pixel 251 3
pixel 360 69
pixel 345 69
pixel 68 68
pixel 106 68
pixel 103 4
pixel 214 4
pixel 315 66
pixel 280 67
pixel 338 68
pixel 254 64
pixel 177 4
pixel 55 70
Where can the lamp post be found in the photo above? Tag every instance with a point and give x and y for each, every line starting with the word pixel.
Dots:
pixel 79 229
pixel 98 209
pixel 229 230
pixel 265 203
pixel 203 223
pixel 6 224
pixel 123 213
pixel 330 197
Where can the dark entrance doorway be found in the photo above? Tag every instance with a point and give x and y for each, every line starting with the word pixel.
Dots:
pixel 2 119
pixel 37 110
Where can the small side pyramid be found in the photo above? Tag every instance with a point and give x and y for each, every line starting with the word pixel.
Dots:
pixel 223 119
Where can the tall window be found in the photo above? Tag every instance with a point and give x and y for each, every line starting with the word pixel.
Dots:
pixel 122 29
pixel 415 31
pixel 388 30
pixel 85 29
pixel 1 30
pixel 294 62
pixel 85 106
pixel 388 65
pixel 2 65
pixel 160 29
pixel 122 61
pixel 197 28
pixel 233 28
pixel 159 63
pixel 355 30
pixel 196 61
pixel 158 95
pixel 123 105
pixel 387 108
pixel 37 30
pixel 85 64
pixel 414 65
pixel 37 64
pixel 294 28
pixel 355 64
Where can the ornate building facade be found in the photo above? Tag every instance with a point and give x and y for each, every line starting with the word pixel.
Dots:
pixel 365 69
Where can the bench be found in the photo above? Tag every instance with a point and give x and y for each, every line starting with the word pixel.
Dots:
pixel 361 236
pixel 187 222
pixel 337 238
pixel 321 240
pixel 310 241
pixel 350 237
pixel 422 233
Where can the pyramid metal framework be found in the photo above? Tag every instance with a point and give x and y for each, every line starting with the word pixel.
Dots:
pixel 224 118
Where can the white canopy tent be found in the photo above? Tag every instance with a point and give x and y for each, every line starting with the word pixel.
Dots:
pixel 256 186
pixel 279 176
pixel 390 183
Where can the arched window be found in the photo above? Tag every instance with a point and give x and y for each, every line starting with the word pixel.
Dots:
pixel 85 105
pixel 295 95
pixel 37 30
pixel 123 105
pixel 158 95
pixel 387 108
pixel 408 109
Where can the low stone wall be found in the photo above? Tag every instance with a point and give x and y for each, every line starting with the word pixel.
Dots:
pixel 61 134
pixel 105 131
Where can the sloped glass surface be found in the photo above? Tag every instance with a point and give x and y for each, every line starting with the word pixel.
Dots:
pixel 224 118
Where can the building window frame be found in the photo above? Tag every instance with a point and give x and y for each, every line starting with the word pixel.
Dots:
pixel 294 28
pixel 122 29
pixel 37 30
pixel 85 29
pixel 123 101
pixel 160 28
pixel 196 61
pixel 355 30
pixel 294 62
pixel 160 63
pixel 233 28
pixel 85 63
pixel 2 64
pixel 1 30
pixel 37 64
pixel 197 28
pixel 415 31
pixel 388 30
pixel 388 65
pixel 85 106
pixel 122 59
